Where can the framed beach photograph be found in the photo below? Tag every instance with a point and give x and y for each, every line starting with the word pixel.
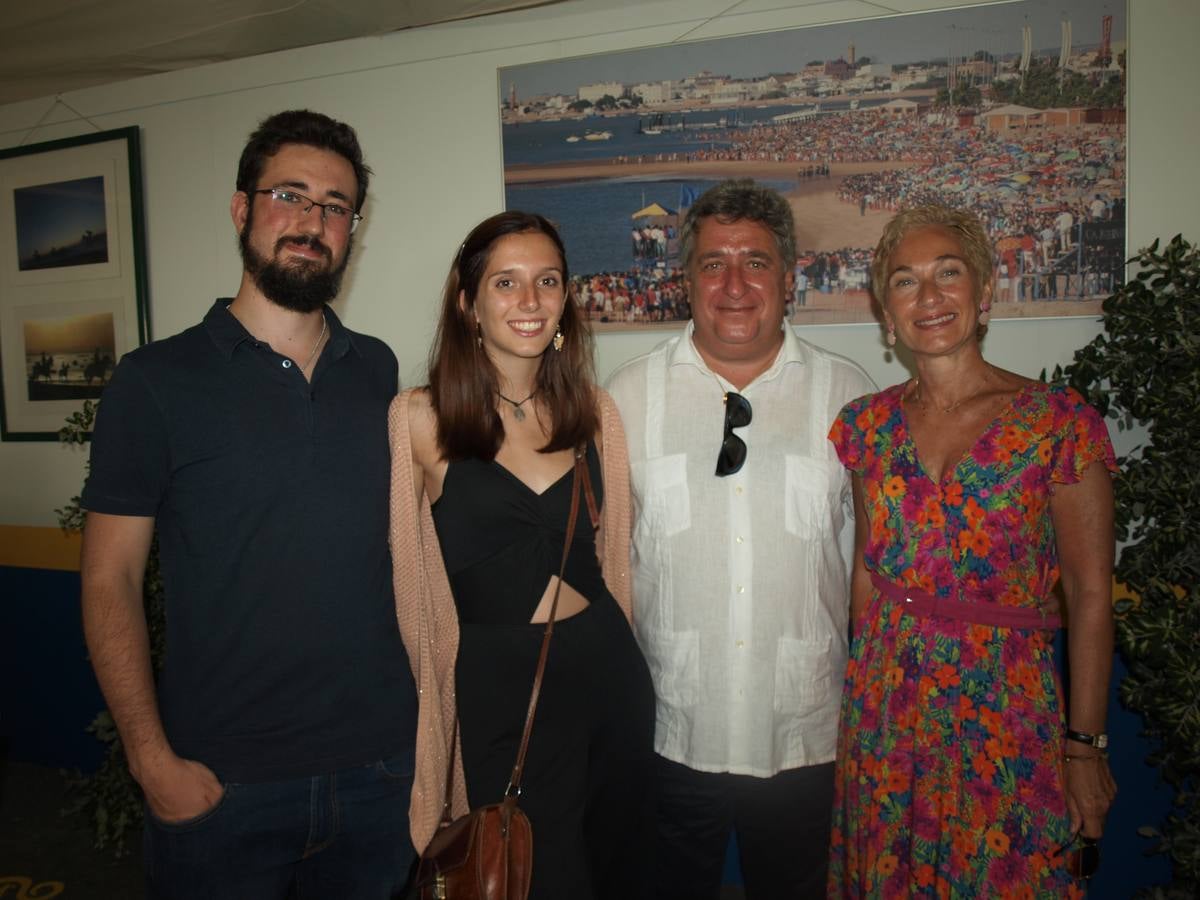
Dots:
pixel 72 275
pixel 1014 111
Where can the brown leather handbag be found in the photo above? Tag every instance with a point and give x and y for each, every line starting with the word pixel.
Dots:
pixel 488 853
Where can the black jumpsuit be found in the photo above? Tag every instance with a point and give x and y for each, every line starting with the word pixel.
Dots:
pixel 585 784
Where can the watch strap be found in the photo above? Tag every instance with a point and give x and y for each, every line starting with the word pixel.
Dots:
pixel 1099 741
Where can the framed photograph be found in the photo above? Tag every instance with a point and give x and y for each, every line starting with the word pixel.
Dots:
pixel 72 275
pixel 1015 111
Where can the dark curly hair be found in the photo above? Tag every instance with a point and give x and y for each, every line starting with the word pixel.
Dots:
pixel 737 199
pixel 301 126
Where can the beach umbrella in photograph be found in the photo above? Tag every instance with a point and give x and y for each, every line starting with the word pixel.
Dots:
pixel 654 209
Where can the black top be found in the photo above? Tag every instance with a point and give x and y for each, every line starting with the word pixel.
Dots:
pixel 501 541
pixel 270 496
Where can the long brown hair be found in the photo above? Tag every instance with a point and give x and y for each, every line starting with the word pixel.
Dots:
pixel 463 381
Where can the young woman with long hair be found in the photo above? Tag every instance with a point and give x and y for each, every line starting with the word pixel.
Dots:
pixel 482 462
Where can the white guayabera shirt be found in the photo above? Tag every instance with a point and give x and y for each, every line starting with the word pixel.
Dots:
pixel 741 584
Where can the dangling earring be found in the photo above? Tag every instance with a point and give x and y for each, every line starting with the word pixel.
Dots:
pixel 891 336
pixel 478 334
pixel 559 340
pixel 985 312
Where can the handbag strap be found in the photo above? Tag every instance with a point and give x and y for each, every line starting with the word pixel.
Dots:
pixel 582 476
pixel 581 481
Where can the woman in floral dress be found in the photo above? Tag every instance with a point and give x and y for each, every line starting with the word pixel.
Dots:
pixel 976 490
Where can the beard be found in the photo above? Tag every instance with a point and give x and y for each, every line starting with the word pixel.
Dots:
pixel 300 285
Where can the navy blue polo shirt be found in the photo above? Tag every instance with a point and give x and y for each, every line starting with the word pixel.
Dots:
pixel 270 499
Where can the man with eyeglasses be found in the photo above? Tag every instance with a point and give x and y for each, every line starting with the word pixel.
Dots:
pixel 276 750
pixel 743 542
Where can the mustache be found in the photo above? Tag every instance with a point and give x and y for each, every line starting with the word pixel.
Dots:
pixel 305 240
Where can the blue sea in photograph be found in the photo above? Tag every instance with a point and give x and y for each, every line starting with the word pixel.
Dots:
pixel 538 143
pixel 595 217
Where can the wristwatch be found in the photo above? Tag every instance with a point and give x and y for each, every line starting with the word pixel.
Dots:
pixel 1099 741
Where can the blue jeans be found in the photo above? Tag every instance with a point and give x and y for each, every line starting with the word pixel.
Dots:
pixel 344 834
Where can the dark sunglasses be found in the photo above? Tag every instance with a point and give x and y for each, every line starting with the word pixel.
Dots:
pixel 733 449
pixel 1083 861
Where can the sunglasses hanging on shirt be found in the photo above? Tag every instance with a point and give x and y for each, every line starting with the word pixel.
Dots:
pixel 733 449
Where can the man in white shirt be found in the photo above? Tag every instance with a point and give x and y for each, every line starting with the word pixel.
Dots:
pixel 743 541
pixel 1064 222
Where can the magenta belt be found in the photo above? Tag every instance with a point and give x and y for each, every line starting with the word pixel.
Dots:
pixel 963 608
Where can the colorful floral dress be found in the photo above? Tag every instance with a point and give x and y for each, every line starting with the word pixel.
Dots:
pixel 949 766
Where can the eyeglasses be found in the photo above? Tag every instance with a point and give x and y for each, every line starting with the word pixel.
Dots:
pixel 343 218
pixel 733 449
pixel 1083 861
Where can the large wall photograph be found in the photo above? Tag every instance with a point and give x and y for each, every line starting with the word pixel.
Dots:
pixel 1014 111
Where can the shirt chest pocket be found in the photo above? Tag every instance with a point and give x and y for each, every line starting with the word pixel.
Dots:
pixel 812 497
pixel 663 492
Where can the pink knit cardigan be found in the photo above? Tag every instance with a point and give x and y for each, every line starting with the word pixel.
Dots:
pixel 425 608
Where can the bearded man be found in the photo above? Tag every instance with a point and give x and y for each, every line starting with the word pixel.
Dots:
pixel 276 749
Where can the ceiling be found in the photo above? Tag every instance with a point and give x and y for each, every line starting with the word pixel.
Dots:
pixel 49 47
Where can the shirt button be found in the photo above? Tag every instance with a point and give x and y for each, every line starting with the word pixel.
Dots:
pixel 741 589
pixel 287 364
pixel 738 489
pixel 741 644
pixel 738 539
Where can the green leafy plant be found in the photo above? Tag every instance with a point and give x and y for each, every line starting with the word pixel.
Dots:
pixel 1145 369
pixel 109 797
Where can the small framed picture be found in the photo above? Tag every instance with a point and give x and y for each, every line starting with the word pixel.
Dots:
pixel 72 275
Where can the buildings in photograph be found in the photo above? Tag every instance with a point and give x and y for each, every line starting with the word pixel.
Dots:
pixel 600 90
pixel 853 75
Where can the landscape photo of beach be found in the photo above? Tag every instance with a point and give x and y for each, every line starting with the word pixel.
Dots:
pixel 1015 112
pixel 69 357
pixel 61 224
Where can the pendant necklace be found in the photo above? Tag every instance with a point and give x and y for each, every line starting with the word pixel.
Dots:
pixel 518 413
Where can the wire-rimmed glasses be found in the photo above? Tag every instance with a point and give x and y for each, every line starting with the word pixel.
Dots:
pixel 334 215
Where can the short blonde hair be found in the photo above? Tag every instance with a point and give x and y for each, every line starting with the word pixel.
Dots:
pixel 972 238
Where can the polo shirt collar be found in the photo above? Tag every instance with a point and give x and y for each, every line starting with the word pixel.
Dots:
pixel 228 333
pixel 791 352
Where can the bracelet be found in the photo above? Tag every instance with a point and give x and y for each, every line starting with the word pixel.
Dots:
pixel 1099 741
pixel 1067 757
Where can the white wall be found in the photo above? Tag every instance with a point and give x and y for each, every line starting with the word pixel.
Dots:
pixel 424 103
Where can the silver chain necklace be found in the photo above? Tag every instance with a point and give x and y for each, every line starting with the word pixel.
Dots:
pixel 317 345
pixel 953 406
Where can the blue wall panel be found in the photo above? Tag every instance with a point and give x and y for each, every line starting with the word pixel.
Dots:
pixel 48 694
